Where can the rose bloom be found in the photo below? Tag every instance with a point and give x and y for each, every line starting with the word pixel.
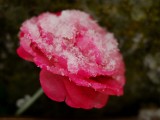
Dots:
pixel 79 60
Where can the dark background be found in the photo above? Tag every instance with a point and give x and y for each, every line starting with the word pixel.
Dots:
pixel 136 25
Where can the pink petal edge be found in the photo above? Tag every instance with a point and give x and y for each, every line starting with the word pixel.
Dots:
pixel 59 88
pixel 24 54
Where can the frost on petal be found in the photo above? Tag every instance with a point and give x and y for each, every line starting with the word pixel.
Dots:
pixel 41 60
pixel 103 84
pixel 112 86
pixel 80 60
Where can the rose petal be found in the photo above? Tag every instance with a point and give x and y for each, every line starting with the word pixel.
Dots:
pixel 41 60
pixel 53 85
pixel 83 97
pixel 24 54
pixel 105 84
pixel 112 86
pixel 58 88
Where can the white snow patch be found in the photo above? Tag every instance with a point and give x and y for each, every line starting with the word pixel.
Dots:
pixel 71 61
pixel 111 65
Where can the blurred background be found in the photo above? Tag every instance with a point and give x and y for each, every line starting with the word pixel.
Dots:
pixel 136 25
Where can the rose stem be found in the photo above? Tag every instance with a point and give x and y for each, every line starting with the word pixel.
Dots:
pixel 29 102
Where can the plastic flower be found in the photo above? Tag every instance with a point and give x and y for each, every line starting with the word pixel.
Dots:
pixel 79 60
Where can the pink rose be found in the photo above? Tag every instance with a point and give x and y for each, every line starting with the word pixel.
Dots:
pixel 79 60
